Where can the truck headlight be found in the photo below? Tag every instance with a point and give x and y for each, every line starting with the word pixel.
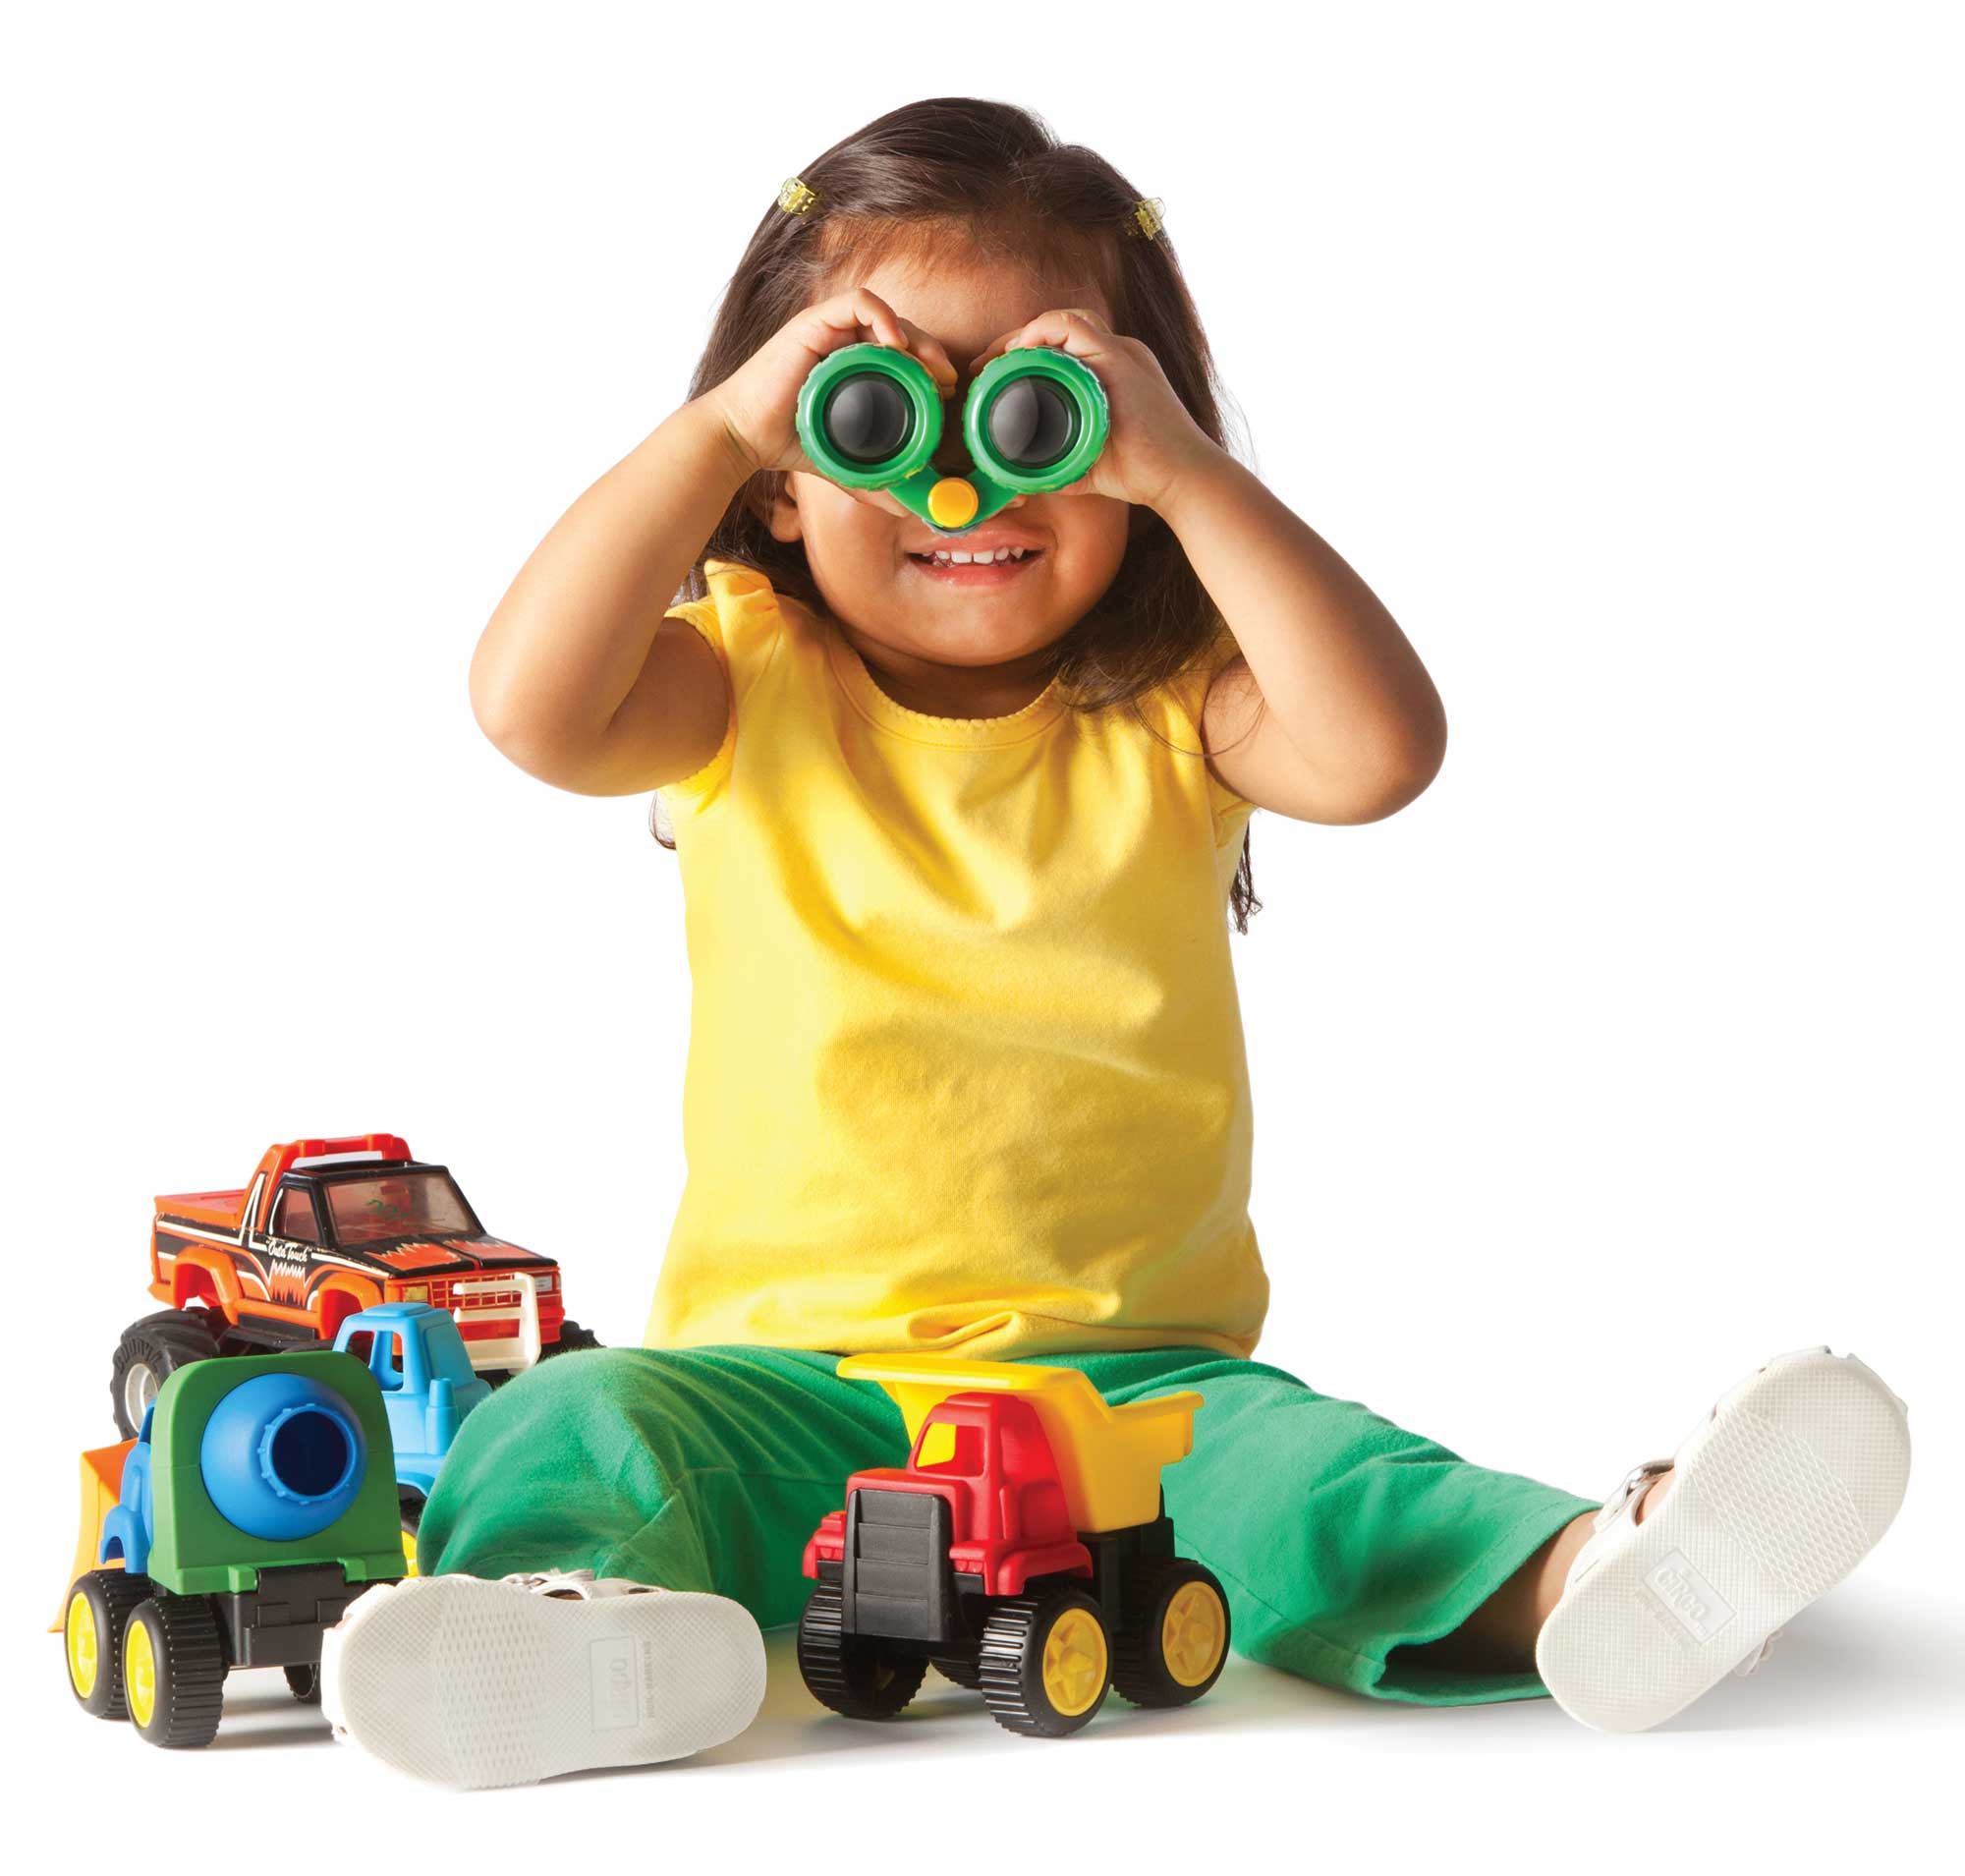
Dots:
pixel 547 1282
pixel 415 1292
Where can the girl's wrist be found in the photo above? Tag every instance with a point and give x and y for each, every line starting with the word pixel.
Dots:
pixel 716 431
pixel 1191 477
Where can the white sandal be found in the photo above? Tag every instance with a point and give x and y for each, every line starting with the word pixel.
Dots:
pixel 466 1682
pixel 1777 1495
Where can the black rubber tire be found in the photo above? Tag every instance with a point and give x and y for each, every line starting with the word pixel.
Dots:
pixel 1011 1664
pixel 112 1594
pixel 189 1669
pixel 572 1338
pixel 303 1681
pixel 159 1344
pixel 963 1670
pixel 1140 1670
pixel 853 1674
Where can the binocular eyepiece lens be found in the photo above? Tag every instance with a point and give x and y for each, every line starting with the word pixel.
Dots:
pixel 868 418
pixel 1032 422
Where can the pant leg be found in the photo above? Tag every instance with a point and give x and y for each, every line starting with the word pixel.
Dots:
pixel 1339 1538
pixel 695 1468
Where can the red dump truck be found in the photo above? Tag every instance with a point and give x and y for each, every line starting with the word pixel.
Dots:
pixel 326 1228
pixel 1024 1550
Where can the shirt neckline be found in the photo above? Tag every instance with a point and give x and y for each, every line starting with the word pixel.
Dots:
pixel 863 692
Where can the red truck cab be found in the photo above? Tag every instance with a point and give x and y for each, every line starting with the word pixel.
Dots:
pixel 986 1455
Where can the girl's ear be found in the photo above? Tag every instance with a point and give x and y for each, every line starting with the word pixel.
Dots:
pixel 774 502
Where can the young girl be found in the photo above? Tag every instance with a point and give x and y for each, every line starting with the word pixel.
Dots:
pixel 957 820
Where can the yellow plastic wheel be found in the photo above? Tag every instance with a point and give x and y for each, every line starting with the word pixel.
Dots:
pixel 85 1646
pixel 93 1621
pixel 1044 1662
pixel 1076 1662
pixel 1194 1633
pixel 140 1673
pixel 1174 1641
pixel 174 1671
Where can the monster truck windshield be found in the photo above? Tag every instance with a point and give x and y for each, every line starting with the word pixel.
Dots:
pixel 396 1205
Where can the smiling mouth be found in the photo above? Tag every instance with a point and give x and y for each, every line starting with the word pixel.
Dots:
pixel 960 566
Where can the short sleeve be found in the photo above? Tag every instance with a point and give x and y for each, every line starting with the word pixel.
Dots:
pixel 1187 699
pixel 742 621
pixel 698 788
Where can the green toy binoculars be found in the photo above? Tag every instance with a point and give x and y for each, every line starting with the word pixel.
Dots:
pixel 870 417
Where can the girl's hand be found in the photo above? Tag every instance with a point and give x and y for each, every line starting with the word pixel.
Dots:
pixel 1153 441
pixel 759 402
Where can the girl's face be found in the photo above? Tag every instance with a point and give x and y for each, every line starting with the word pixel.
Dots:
pixel 862 544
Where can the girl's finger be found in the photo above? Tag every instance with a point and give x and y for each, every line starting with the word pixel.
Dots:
pixel 846 316
pixel 996 345
pixel 931 353
pixel 1073 330
pixel 880 319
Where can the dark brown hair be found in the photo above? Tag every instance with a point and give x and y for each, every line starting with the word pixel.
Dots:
pixel 898 189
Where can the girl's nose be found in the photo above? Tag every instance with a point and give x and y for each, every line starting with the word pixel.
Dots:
pixel 951 455
pixel 951 458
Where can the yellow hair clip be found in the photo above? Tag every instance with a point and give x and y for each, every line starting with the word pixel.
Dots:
pixel 795 198
pixel 1149 216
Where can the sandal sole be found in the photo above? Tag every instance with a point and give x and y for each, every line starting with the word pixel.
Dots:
pixel 1776 1499
pixel 469 1683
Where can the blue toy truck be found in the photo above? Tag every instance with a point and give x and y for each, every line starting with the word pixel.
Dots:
pixel 424 1370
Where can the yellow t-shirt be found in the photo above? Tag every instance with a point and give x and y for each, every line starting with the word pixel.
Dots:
pixel 966 1068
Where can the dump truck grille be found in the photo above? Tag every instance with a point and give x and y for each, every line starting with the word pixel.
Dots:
pixel 895 1573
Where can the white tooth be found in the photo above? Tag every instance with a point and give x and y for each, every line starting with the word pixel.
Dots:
pixel 960 560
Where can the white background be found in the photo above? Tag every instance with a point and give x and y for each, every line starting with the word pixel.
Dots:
pixel 1617 348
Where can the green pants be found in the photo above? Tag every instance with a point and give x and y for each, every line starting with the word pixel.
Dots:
pixel 1339 1538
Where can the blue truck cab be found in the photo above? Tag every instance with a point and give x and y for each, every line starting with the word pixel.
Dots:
pixel 419 1361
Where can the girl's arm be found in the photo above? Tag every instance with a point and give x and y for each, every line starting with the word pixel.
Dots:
pixel 579 678
pixel 1327 714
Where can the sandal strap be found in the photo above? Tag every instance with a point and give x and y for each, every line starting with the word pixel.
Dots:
pixel 574 1584
pixel 578 1585
pixel 1760 1653
pixel 1636 1483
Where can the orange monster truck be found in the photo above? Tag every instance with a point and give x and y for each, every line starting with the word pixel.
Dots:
pixel 326 1228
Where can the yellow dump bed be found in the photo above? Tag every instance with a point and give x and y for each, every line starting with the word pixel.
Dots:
pixel 1110 1459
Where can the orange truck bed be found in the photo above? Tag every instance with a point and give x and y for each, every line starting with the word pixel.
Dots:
pixel 204 1207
